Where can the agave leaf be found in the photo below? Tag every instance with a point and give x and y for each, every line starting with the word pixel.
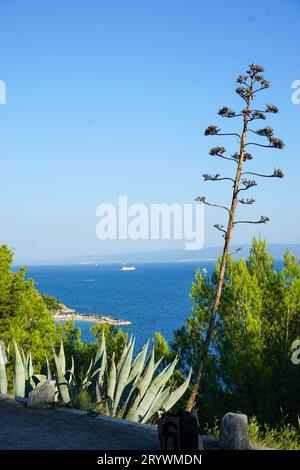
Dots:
pixel 48 370
pixel 72 378
pixel 88 371
pixel 71 371
pixel 101 348
pixel 62 358
pixel 98 392
pixel 39 378
pixel 4 351
pixel 122 358
pixel 87 379
pixel 100 362
pixel 28 372
pixel 158 383
pixel 19 373
pixel 102 366
pixel 25 362
pixel 122 376
pixel 148 375
pixel 138 363
pixel 161 397
pixel 100 377
pixel 98 374
pixel 142 386
pixel 177 394
pixel 62 384
pixel 95 372
pixel 90 374
pixel 111 383
pixel 30 366
pixel 3 378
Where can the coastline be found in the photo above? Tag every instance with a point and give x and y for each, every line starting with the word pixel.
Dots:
pixel 91 319
pixel 65 313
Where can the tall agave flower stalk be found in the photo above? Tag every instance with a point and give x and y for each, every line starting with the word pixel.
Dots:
pixel 249 85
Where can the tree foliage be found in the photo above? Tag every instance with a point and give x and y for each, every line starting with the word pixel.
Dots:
pixel 249 365
pixel 23 313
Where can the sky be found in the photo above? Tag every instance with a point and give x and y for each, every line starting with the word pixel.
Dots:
pixel 109 98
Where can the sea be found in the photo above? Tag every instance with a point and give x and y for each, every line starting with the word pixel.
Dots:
pixel 153 297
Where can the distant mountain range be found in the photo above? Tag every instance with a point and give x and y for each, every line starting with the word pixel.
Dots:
pixel 171 256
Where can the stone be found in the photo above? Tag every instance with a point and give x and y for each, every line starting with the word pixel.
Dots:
pixel 43 396
pixel 234 432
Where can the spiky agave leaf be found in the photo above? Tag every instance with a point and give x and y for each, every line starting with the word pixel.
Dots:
pixel 122 376
pixel 101 348
pixel 177 394
pixel 100 362
pixel 112 377
pixel 48 369
pixel 161 397
pixel 124 352
pixel 30 383
pixel 30 365
pixel 99 379
pixel 19 373
pixel 141 387
pixel 25 362
pixel 61 381
pixel 158 383
pixel 3 350
pixel 138 363
pixel 87 379
pixel 3 378
pixel 134 378
pixel 37 378
pixel 62 358
pixel 71 371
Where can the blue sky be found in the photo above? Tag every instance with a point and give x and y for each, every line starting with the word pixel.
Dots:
pixel 106 98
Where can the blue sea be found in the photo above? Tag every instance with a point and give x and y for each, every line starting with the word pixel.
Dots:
pixel 154 297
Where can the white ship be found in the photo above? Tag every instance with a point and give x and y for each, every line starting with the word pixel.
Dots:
pixel 127 268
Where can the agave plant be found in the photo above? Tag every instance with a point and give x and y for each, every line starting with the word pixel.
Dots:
pixel 131 389
pixel 24 378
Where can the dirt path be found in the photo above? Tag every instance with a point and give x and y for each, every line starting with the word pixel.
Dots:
pixel 60 429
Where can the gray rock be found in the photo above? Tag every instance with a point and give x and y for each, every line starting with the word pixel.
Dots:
pixel 234 432
pixel 43 396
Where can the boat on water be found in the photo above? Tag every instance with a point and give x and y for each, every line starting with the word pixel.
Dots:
pixel 128 268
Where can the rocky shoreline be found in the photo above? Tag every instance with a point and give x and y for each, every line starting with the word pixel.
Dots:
pixel 65 313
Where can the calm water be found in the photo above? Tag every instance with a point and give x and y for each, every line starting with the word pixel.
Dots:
pixel 154 297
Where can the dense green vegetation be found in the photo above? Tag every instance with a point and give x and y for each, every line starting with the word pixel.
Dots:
pixel 51 302
pixel 23 313
pixel 249 367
